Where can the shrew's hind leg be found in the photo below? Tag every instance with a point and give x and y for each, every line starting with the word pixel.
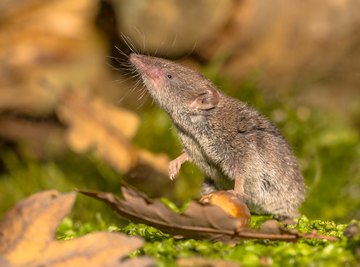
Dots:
pixel 239 188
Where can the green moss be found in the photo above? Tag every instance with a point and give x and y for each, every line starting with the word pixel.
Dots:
pixel 330 228
pixel 306 252
pixel 256 220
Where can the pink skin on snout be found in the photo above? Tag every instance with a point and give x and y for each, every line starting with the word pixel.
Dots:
pixel 152 74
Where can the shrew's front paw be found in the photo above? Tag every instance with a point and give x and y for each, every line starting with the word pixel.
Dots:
pixel 175 165
pixel 174 168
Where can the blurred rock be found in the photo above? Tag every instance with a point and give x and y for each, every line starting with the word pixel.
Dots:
pixel 309 45
pixel 42 139
pixel 171 27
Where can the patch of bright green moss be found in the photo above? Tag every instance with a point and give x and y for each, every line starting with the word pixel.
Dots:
pixel 305 252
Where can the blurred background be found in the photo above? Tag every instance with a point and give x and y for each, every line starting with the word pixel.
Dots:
pixel 72 116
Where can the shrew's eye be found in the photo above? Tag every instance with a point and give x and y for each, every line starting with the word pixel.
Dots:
pixel 169 76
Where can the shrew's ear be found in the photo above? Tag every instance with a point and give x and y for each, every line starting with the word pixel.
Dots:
pixel 207 100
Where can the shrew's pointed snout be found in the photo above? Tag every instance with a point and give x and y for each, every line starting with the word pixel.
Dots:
pixel 140 63
pixel 148 69
pixel 135 59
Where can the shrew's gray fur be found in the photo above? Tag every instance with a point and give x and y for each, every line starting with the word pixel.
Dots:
pixel 236 147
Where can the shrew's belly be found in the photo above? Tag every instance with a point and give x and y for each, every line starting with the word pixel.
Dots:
pixel 210 170
pixel 205 163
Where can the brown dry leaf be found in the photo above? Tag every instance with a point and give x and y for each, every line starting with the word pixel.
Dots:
pixel 158 162
pixel 48 41
pixel 198 221
pixel 27 237
pixel 95 124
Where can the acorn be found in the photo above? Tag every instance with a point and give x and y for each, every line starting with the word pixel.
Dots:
pixel 231 204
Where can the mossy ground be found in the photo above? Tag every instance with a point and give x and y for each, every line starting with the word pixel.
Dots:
pixel 166 250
